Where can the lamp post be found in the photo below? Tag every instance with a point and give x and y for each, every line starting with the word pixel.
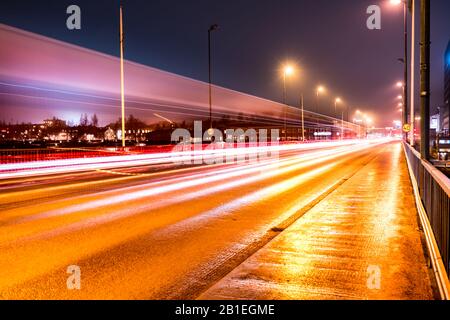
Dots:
pixel 303 117
pixel 320 89
pixel 369 122
pixel 359 122
pixel 348 113
pixel 413 61
pixel 401 85
pixel 425 79
pixel 349 110
pixel 287 71
pixel 342 116
pixel 122 84
pixel 210 30
pixel 336 101
pixel 405 60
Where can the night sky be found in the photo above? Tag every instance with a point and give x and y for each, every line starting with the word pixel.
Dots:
pixel 327 39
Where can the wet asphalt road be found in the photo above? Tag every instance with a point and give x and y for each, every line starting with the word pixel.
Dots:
pixel 361 242
pixel 157 233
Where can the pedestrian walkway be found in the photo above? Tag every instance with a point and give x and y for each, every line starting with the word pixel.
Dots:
pixel 361 242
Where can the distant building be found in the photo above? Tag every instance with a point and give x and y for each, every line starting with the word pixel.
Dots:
pixel 110 135
pixel 445 110
pixel 54 123
pixel 60 136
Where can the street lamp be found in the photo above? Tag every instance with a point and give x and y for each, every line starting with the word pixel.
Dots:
pixel 336 101
pixel 122 83
pixel 320 89
pixel 212 28
pixel 342 123
pixel 303 117
pixel 406 3
pixel 359 121
pixel 288 71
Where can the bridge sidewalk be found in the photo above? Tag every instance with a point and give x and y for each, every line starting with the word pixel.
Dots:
pixel 361 242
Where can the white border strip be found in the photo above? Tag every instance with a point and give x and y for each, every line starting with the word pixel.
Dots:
pixel 433 249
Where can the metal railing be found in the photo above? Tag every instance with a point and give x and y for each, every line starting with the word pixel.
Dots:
pixel 11 156
pixel 434 190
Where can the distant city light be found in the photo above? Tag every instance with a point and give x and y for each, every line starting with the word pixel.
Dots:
pixel 396 2
pixel 397 124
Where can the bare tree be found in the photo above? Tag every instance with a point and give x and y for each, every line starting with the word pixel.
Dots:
pixel 84 120
pixel 94 120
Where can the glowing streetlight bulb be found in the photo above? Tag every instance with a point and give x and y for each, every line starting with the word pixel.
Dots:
pixel 320 89
pixel 288 70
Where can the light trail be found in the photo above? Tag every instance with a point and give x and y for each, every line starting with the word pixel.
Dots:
pixel 94 76
pixel 208 213
pixel 152 190
pixel 154 106
pixel 8 171
pixel 148 106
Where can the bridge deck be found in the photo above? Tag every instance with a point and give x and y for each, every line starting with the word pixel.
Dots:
pixel 366 228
